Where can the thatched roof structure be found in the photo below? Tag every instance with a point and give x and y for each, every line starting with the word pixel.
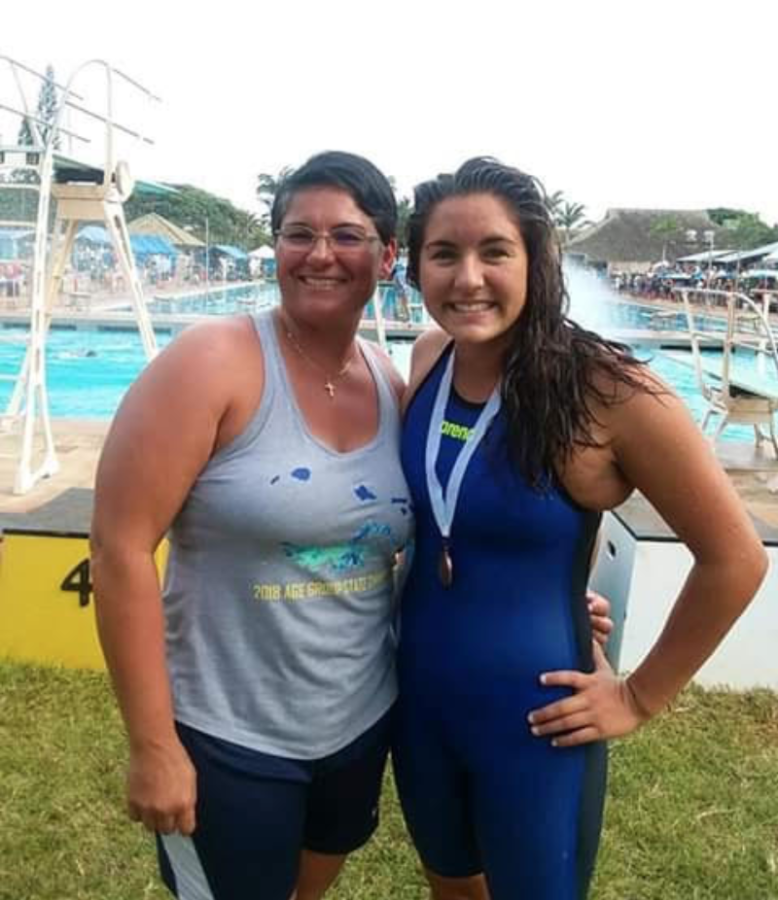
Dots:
pixel 629 237
pixel 159 226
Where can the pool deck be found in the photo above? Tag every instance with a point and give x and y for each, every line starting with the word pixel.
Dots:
pixel 78 442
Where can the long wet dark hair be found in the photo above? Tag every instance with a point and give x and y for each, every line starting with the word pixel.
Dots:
pixel 554 368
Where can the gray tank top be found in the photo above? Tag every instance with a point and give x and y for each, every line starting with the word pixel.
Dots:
pixel 279 587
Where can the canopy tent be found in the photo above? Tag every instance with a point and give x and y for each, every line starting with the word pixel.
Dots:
pixel 142 244
pixel 755 253
pixel 151 245
pixel 675 276
pixel 704 256
pixel 228 250
pixel 159 226
pixel 759 273
pixel 16 232
pixel 10 239
pixel 94 234
pixel 263 252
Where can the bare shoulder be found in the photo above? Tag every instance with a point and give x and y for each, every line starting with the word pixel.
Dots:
pixel 211 341
pixel 169 423
pixel 389 368
pixel 199 373
pixel 202 361
pixel 660 450
pixel 426 352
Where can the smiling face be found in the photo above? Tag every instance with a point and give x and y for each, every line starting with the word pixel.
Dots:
pixel 320 282
pixel 473 269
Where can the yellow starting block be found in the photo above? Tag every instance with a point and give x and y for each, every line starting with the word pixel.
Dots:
pixel 46 601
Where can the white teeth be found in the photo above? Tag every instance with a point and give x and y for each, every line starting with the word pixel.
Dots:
pixel 320 282
pixel 471 307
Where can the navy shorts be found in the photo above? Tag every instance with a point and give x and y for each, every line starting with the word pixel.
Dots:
pixel 257 812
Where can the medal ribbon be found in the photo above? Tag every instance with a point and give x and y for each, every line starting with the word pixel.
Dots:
pixel 444 507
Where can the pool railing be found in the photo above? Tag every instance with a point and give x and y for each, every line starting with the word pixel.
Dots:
pixel 747 327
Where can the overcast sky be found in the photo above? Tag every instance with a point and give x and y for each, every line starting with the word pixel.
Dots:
pixel 651 104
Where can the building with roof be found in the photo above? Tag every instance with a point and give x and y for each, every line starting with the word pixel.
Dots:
pixel 754 256
pixel 630 240
pixel 158 226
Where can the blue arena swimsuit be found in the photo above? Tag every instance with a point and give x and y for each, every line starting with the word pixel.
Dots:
pixel 479 792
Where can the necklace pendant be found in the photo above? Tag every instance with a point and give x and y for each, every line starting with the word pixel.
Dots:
pixel 445 567
pixel 329 387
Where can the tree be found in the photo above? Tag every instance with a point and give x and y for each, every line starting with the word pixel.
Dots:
pixel 45 112
pixel 570 215
pixel 404 210
pixel 748 231
pixel 666 228
pixel 191 207
pixel 724 216
pixel 267 187
pixel 565 214
pixel 554 203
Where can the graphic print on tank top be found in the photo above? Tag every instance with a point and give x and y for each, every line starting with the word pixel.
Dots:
pixel 358 563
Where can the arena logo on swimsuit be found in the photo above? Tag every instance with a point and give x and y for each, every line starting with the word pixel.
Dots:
pixel 457 432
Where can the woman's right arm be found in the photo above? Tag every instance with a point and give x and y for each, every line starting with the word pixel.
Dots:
pixel 161 438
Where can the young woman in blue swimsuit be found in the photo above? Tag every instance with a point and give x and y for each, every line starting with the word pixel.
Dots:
pixel 520 429
pixel 256 685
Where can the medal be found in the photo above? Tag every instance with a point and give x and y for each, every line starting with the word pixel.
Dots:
pixel 444 507
pixel 445 566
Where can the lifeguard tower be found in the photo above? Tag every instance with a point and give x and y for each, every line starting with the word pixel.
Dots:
pixel 81 193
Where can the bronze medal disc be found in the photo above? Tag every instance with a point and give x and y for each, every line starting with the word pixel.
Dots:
pixel 445 568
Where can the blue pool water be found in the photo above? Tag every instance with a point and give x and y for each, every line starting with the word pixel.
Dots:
pixel 219 302
pixel 89 371
pixel 635 315
pixel 250 298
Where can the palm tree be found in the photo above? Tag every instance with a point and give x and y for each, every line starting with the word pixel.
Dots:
pixel 268 185
pixel 554 202
pixel 666 228
pixel 404 210
pixel 570 215
pixel 249 231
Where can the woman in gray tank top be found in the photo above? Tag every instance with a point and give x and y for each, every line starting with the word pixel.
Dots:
pixel 256 687
pixel 268 449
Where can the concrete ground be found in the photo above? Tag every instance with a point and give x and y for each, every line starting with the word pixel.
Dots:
pixel 78 442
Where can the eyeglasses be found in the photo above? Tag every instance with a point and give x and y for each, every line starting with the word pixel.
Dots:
pixel 342 239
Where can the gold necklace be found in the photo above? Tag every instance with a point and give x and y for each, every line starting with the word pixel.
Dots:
pixel 329 384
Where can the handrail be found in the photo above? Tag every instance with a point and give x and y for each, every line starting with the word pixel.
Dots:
pixel 730 338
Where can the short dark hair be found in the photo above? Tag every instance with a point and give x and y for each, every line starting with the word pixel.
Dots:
pixel 354 174
pixel 553 367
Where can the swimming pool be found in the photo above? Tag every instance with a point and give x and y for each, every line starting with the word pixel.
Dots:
pixel 224 301
pixel 88 371
pixel 636 315
pixel 230 300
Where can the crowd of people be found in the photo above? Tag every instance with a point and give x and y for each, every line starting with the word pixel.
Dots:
pixel 662 283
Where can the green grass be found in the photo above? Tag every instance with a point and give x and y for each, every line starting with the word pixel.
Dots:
pixel 692 811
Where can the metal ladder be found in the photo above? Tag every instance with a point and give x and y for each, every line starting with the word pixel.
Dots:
pixel 96 197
